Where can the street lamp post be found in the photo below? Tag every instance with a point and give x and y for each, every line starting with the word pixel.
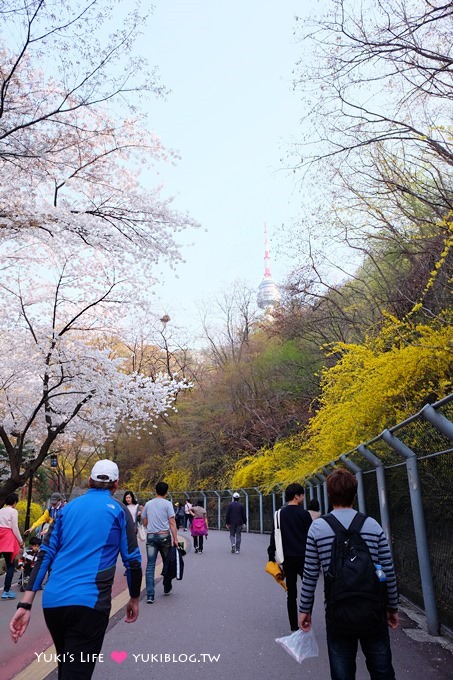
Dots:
pixel 29 494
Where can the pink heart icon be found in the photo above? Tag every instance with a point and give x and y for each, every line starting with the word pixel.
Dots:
pixel 119 657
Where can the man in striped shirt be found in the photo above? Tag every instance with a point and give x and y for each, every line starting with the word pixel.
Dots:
pixel 342 645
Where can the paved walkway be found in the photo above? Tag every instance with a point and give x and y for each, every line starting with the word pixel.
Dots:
pixel 220 622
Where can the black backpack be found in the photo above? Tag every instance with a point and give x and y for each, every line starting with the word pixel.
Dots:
pixel 355 598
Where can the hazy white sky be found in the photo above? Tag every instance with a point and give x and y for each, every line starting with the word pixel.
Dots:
pixel 231 115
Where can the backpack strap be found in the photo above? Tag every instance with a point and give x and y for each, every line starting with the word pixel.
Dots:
pixel 337 526
pixel 333 523
pixel 357 522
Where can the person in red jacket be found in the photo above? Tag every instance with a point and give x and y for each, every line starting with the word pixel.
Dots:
pixel 10 541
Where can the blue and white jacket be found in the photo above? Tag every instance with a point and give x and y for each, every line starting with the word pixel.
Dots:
pixel 81 550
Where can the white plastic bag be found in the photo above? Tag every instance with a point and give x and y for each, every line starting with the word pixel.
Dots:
pixel 300 645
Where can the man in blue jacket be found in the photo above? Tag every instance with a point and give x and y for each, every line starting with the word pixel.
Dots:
pixel 81 550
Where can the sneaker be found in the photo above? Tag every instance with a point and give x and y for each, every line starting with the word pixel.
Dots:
pixel 196 550
pixel 167 589
pixel 150 600
pixel 233 549
pixel 8 595
pixel 237 552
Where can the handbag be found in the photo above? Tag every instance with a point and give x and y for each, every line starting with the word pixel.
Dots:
pixel 275 570
pixel 141 532
pixel 279 556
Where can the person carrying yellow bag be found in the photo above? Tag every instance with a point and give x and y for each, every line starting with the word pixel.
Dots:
pixel 293 522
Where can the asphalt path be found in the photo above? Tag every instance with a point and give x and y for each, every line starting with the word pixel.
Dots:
pixel 221 622
pixel 13 657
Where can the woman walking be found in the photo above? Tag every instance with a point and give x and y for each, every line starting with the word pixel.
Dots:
pixel 10 540
pixel 133 506
pixel 199 526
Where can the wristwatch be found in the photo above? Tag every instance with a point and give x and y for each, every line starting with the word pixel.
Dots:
pixel 24 605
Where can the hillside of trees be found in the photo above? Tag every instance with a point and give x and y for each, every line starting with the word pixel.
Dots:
pixel 308 384
pixel 336 363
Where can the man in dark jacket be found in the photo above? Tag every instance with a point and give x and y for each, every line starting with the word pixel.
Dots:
pixel 235 519
pixel 294 525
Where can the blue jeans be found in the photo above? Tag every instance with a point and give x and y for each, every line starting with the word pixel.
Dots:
pixel 155 543
pixel 375 647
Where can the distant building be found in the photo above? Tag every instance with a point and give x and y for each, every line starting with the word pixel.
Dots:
pixel 268 292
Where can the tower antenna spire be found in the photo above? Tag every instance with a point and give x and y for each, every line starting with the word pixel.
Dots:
pixel 268 292
pixel 267 259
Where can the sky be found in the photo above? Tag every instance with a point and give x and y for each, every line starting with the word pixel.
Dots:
pixel 231 115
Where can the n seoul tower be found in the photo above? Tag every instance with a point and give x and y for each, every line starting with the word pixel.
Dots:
pixel 268 291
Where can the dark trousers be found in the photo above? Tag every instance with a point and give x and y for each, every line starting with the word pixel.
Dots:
pixel 236 535
pixel 198 543
pixel 375 647
pixel 78 633
pixel 9 563
pixel 293 566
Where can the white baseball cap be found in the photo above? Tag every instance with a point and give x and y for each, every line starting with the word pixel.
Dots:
pixel 235 495
pixel 105 471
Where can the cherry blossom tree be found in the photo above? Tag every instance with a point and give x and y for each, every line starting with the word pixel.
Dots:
pixel 73 140
pixel 56 378
pixel 83 221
